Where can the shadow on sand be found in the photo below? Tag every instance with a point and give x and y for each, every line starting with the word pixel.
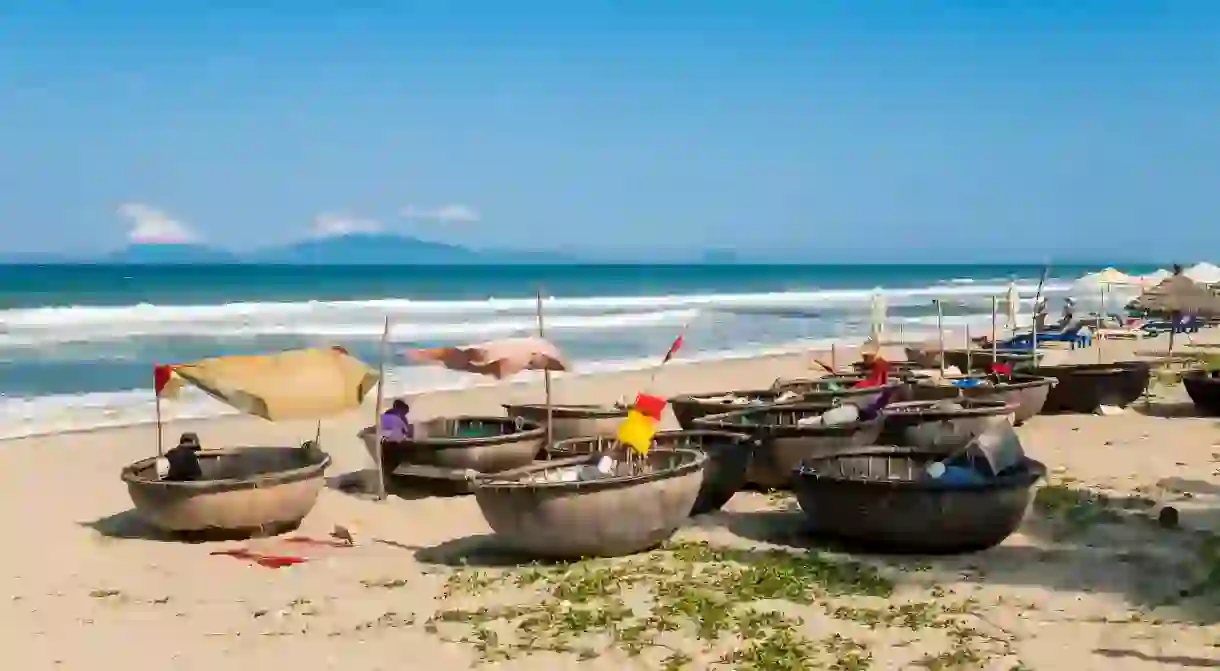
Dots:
pixel 1169 409
pixel 481 551
pixel 1118 547
pixel 128 525
pixel 360 484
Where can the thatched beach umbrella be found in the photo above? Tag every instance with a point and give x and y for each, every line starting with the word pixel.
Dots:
pixel 1179 295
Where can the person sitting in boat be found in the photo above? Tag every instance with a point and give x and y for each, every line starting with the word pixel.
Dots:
pixel 395 424
pixel 181 464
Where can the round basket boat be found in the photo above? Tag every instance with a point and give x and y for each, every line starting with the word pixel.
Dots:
pixel 572 421
pixel 980 359
pixel 880 497
pixel 899 368
pixel 690 407
pixel 941 427
pixel 1086 387
pixel 782 443
pixel 1204 390
pixel 728 456
pixel 831 388
pixel 482 444
pixel 536 514
pixel 1028 392
pixel 244 491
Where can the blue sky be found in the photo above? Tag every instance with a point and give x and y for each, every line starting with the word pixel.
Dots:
pixel 1030 129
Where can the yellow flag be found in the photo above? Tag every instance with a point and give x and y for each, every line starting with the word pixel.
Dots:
pixel 637 431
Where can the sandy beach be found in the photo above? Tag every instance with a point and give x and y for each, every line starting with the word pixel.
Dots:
pixel 1089 582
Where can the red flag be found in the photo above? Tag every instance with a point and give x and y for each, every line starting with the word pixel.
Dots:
pixel 651 406
pixel 162 376
pixel 673 349
pixel 1000 369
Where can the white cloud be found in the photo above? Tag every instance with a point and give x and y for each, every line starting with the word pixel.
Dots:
pixel 334 225
pixel 150 226
pixel 449 214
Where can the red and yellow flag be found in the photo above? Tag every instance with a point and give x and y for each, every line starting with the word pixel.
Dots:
pixel 166 382
pixel 641 423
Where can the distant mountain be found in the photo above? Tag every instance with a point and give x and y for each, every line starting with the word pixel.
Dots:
pixel 354 249
pixel 169 255
pixel 389 249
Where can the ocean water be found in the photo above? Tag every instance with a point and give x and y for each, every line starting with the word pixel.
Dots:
pixel 78 343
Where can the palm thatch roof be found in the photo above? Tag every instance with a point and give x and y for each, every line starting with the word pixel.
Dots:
pixel 1182 295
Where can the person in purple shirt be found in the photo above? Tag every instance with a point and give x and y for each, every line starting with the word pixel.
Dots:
pixel 395 427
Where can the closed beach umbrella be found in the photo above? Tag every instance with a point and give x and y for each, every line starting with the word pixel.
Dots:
pixel 877 310
pixel 295 384
pixel 498 359
pixel 1012 305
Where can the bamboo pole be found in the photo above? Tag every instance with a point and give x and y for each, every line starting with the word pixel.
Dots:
pixel 546 374
pixel 995 306
pixel 940 333
pixel 160 427
pixel 969 352
pixel 377 457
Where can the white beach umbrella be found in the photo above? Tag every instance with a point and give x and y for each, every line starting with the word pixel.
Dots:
pixel 1154 278
pixel 876 308
pixel 1012 305
pixel 1203 273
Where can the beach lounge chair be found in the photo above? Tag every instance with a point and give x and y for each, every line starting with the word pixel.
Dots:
pixel 1076 335
pixel 1131 329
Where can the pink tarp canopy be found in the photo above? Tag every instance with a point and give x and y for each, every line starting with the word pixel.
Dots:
pixel 498 358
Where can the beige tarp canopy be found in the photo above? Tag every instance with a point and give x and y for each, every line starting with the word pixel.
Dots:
pixel 295 384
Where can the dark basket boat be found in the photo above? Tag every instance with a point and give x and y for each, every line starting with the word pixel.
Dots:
pixel 1086 387
pixel 572 421
pixel 899 368
pixel 244 491
pixel 606 517
pixel 980 359
pixel 468 443
pixel 728 457
pixel 831 388
pixel 690 407
pixel 880 497
pixel 935 428
pixel 782 444
pixel 1204 390
pixel 1029 392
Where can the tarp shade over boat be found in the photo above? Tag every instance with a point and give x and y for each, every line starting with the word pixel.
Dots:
pixel 295 384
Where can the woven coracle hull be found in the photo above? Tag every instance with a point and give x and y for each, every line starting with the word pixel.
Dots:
pixel 598 518
pixel 1027 392
pixel 980 359
pixel 1085 387
pixel 245 490
pixel 873 496
pixel 572 421
pixel 813 390
pixel 782 444
pixel 922 425
pixel 439 442
pixel 724 474
pixel 1204 391
pixel 687 409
